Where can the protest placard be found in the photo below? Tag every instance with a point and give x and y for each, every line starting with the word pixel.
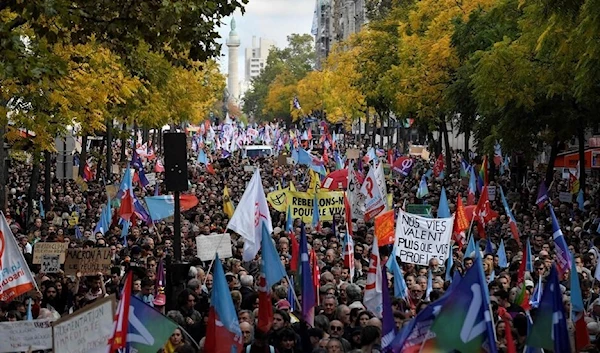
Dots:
pixel 249 168
pixel 151 179
pixel 565 197
pixel 420 239
pixel 87 330
pixel 50 263
pixel 87 261
pixel 302 204
pixel 353 153
pixel 492 192
pixel 208 245
pixel 421 210
pixel 49 248
pixel 21 336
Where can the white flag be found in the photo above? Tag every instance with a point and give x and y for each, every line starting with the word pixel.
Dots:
pixel 15 276
pixel 380 175
pixel 373 299
pixel 250 213
pixel 355 197
pixel 375 202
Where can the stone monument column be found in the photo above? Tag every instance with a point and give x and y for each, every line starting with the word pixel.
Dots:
pixel 233 81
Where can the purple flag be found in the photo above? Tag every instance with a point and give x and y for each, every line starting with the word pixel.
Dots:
pixel 563 256
pixel 542 195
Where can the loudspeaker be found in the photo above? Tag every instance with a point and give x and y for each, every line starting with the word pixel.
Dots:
pixel 176 173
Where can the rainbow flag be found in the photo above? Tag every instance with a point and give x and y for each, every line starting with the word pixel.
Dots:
pixel 483 171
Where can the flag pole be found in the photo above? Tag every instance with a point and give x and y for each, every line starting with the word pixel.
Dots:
pixel 287 277
pixel 213 259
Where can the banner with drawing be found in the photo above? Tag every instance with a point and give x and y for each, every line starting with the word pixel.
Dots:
pixel 419 239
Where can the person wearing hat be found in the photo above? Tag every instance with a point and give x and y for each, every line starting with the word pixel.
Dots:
pixel 285 306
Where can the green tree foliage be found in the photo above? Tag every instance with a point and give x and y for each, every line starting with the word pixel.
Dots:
pixel 284 67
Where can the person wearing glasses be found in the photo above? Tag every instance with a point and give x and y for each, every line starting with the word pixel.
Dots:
pixel 336 330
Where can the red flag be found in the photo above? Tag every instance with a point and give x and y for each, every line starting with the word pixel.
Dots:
pixel 461 223
pixel 523 296
pixel 188 201
pixel 483 212
pixel 119 337
pixel 159 167
pixel 438 167
pixel 316 273
pixel 582 336
pixel 265 307
pixel 210 169
pixel 295 252
pixel 510 343
pixel 325 157
pixel 87 172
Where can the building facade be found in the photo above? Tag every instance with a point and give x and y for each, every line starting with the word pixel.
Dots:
pixel 334 21
pixel 256 57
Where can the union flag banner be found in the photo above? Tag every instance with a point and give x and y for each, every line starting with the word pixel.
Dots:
pixel 15 276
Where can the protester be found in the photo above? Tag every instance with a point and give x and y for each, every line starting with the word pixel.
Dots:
pixel 344 317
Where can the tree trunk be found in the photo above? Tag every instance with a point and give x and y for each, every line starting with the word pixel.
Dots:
pixel 123 143
pixel 35 178
pixel 467 138
pixel 47 180
pixel 159 144
pixel 109 139
pixel 99 164
pixel 3 173
pixel 581 138
pixel 551 161
pixel 145 134
pixel 374 132
pixel 444 130
pixel 83 156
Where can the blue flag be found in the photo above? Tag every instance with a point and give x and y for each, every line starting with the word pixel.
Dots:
pixel 464 322
pixel 563 256
pixel 423 190
pixel 291 298
pixel 271 263
pixel 489 249
pixel 202 157
pixel 315 218
pixel 42 211
pixel 388 331
pixel 471 249
pixel 289 221
pixel 160 207
pixel 502 261
pixel 443 209
pixel 580 199
pixel 549 330
pixel 400 289
pixel 125 232
pixel 449 265
pixel 529 264
pixel 308 289
pixel 576 296
pixel 29 314
pixel 78 234
pixel 429 284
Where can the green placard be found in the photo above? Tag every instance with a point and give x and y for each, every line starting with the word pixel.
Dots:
pixel 421 210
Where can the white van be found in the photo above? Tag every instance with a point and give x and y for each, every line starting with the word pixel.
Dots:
pixel 255 151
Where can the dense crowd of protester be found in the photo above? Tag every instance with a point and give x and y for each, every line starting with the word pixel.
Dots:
pixel 342 324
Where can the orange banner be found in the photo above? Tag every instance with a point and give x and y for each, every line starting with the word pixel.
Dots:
pixel 384 228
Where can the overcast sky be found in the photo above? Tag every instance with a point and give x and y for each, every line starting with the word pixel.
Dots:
pixel 272 19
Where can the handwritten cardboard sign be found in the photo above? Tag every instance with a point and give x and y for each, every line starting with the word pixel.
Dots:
pixel 209 245
pixel 87 330
pixel 49 248
pixel 87 261
pixel 20 336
